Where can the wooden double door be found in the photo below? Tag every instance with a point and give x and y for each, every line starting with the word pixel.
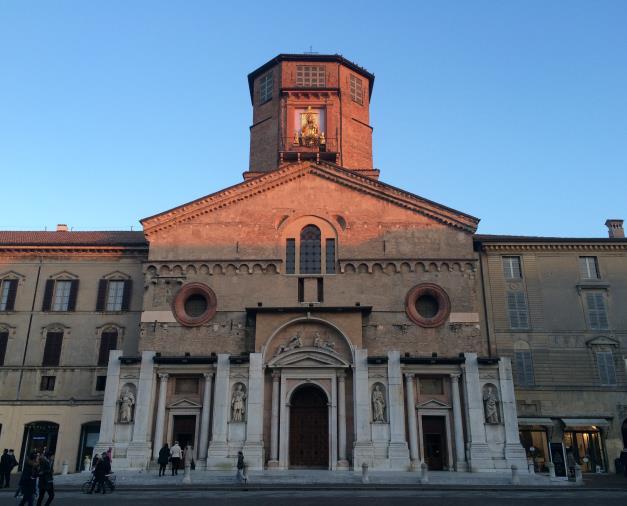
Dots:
pixel 309 428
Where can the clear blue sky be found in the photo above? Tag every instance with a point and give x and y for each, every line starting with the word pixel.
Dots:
pixel 514 112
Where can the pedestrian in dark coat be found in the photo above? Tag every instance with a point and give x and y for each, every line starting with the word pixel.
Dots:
pixel 46 483
pixel 623 459
pixel 4 468
pixel 164 458
pixel 12 464
pixel 100 475
pixel 28 479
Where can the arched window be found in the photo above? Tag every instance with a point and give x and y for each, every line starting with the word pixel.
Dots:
pixel 310 250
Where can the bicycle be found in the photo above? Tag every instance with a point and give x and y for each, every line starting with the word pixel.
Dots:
pixel 109 484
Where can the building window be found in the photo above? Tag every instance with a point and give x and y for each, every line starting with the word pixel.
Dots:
pixel 511 268
pixel 588 268
pixel 357 94
pixel 101 383
pixel 108 342
pixel 265 88
pixel 310 76
pixel 605 363
pixel 114 295
pixel 310 253
pixel 290 256
pixel 52 349
pixel 597 314
pixel 8 290
pixel 47 383
pixel 60 295
pixel 517 310
pixel 4 342
pixel 523 368
pixel 330 260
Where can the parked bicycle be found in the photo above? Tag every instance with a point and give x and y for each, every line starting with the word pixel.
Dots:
pixel 109 484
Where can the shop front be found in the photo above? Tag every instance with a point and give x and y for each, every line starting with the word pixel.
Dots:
pixel 584 439
pixel 534 437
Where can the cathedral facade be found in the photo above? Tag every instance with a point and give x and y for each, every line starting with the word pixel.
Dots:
pixel 310 316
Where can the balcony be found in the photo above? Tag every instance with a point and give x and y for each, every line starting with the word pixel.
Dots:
pixel 295 152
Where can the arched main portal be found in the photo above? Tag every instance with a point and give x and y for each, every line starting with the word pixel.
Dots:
pixel 309 428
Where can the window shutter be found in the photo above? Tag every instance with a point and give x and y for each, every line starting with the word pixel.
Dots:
pixel 48 291
pixel 12 293
pixel 4 341
pixel 71 305
pixel 126 297
pixel 108 342
pixel 102 294
pixel 52 350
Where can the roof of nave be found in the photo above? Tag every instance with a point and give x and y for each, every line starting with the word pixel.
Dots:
pixel 70 238
pixel 326 170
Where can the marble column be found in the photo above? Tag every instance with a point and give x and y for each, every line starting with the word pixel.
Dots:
pixel 139 453
pixel 460 457
pixel 398 450
pixel 341 411
pixel 363 451
pixel 411 420
pixel 204 417
pixel 217 455
pixel 274 431
pixel 254 451
pixel 160 422
pixel 110 402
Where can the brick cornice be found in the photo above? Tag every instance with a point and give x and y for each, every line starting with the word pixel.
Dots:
pixel 560 246
pixel 291 172
pixel 113 251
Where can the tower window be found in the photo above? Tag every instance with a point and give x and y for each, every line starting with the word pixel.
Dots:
pixel 357 94
pixel 310 253
pixel 290 256
pixel 265 88
pixel 310 76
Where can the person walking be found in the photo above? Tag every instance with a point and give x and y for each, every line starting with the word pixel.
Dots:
pixel 100 475
pixel 164 458
pixel 176 453
pixel 4 468
pixel 12 464
pixel 46 483
pixel 241 468
pixel 27 480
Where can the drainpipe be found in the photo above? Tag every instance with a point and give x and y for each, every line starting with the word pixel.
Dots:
pixel 30 324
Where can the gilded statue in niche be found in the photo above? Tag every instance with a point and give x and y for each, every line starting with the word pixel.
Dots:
pixel 310 132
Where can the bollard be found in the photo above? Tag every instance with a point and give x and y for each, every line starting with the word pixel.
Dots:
pixel 578 475
pixel 424 473
pixel 551 467
pixel 364 473
pixel 64 467
pixel 515 477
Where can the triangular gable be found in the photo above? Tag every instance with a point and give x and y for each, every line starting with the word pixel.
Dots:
pixel 325 170
pixel 602 341
pixel 184 403
pixel 433 404
pixel 300 358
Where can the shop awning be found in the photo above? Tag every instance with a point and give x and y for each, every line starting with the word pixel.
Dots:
pixel 547 422
pixel 585 423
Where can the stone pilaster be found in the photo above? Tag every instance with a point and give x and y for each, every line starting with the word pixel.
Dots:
pixel 362 447
pixel 514 452
pixel 274 429
pixel 342 463
pixel 110 403
pixel 217 455
pixel 460 454
pixel 253 447
pixel 398 450
pixel 411 421
pixel 139 450
pixel 204 417
pixel 160 421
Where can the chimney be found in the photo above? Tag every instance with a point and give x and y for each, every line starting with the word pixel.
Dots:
pixel 63 228
pixel 615 229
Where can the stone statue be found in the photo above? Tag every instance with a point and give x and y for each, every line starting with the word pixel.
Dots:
pixel 309 128
pixel 318 342
pixel 127 401
pixel 490 403
pixel 238 404
pixel 378 404
pixel 296 140
pixel 293 343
